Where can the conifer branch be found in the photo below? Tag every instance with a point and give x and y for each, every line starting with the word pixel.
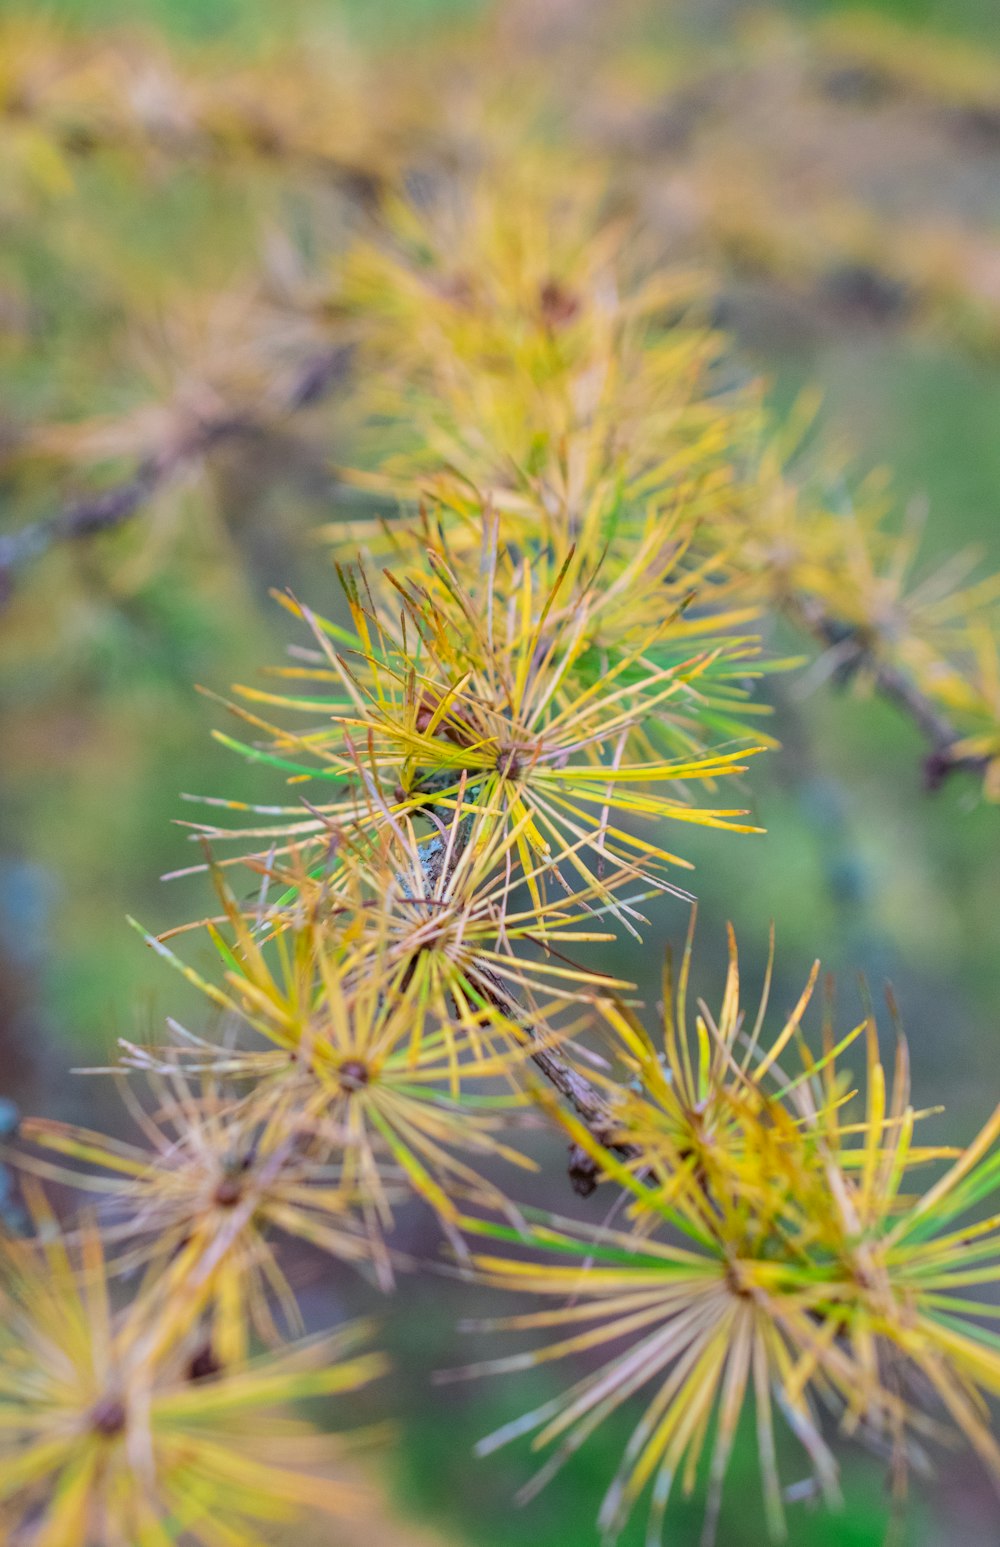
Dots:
pixel 893 683
pixel 111 508
pixel 590 1106
pixel 586 1101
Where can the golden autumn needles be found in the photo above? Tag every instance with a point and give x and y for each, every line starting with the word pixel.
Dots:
pixel 494 698
pixel 112 1431
pixel 540 669
pixel 780 1253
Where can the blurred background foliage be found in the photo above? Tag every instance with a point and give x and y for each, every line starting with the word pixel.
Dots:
pixel 838 174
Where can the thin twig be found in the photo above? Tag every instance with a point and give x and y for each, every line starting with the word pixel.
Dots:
pixel 113 507
pixel 592 1108
pixel 895 685
pixel 587 1102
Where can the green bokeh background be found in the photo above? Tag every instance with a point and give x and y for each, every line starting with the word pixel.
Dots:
pixel 859 864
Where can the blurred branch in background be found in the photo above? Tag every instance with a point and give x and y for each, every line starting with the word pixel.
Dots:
pixel 786 154
pixel 849 654
pixel 105 511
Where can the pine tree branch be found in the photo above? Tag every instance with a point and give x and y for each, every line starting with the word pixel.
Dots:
pixel 896 686
pixel 590 1106
pixel 588 1103
pixel 113 507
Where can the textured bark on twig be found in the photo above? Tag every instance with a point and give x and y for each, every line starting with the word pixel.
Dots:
pixel 590 1106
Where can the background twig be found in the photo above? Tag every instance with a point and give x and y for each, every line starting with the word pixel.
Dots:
pixel 112 507
pixel 896 686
